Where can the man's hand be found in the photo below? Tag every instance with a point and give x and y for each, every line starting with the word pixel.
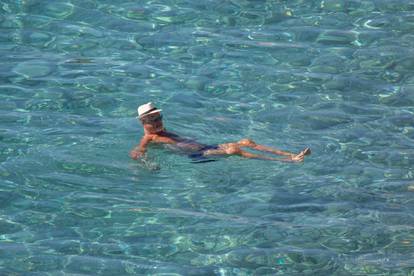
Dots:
pixel 139 150
pixel 135 154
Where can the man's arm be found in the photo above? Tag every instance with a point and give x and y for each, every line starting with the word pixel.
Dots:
pixel 141 148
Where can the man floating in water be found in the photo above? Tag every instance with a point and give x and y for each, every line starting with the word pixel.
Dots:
pixel 154 132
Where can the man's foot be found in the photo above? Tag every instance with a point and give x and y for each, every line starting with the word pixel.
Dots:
pixel 304 152
pixel 301 155
pixel 307 151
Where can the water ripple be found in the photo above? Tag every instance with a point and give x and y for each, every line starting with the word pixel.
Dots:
pixel 333 75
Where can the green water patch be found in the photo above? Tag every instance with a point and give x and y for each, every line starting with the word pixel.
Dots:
pixel 34 69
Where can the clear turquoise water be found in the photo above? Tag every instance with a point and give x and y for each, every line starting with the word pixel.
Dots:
pixel 333 75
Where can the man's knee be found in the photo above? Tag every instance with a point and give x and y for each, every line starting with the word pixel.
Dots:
pixel 247 143
pixel 233 149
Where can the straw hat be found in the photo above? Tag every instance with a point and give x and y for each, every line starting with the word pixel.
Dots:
pixel 147 109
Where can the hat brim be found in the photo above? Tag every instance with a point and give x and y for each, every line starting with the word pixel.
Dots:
pixel 149 113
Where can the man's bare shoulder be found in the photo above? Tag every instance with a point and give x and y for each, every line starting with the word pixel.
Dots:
pixel 164 137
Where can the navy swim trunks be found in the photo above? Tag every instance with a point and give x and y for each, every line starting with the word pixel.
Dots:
pixel 199 157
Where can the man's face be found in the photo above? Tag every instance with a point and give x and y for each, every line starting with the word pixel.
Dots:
pixel 153 123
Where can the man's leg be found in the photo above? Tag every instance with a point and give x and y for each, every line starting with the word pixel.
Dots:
pixel 251 144
pixel 234 149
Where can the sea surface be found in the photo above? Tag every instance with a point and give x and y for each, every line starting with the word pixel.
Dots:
pixel 333 75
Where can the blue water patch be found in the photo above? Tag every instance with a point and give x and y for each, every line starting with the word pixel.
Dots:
pixel 335 76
